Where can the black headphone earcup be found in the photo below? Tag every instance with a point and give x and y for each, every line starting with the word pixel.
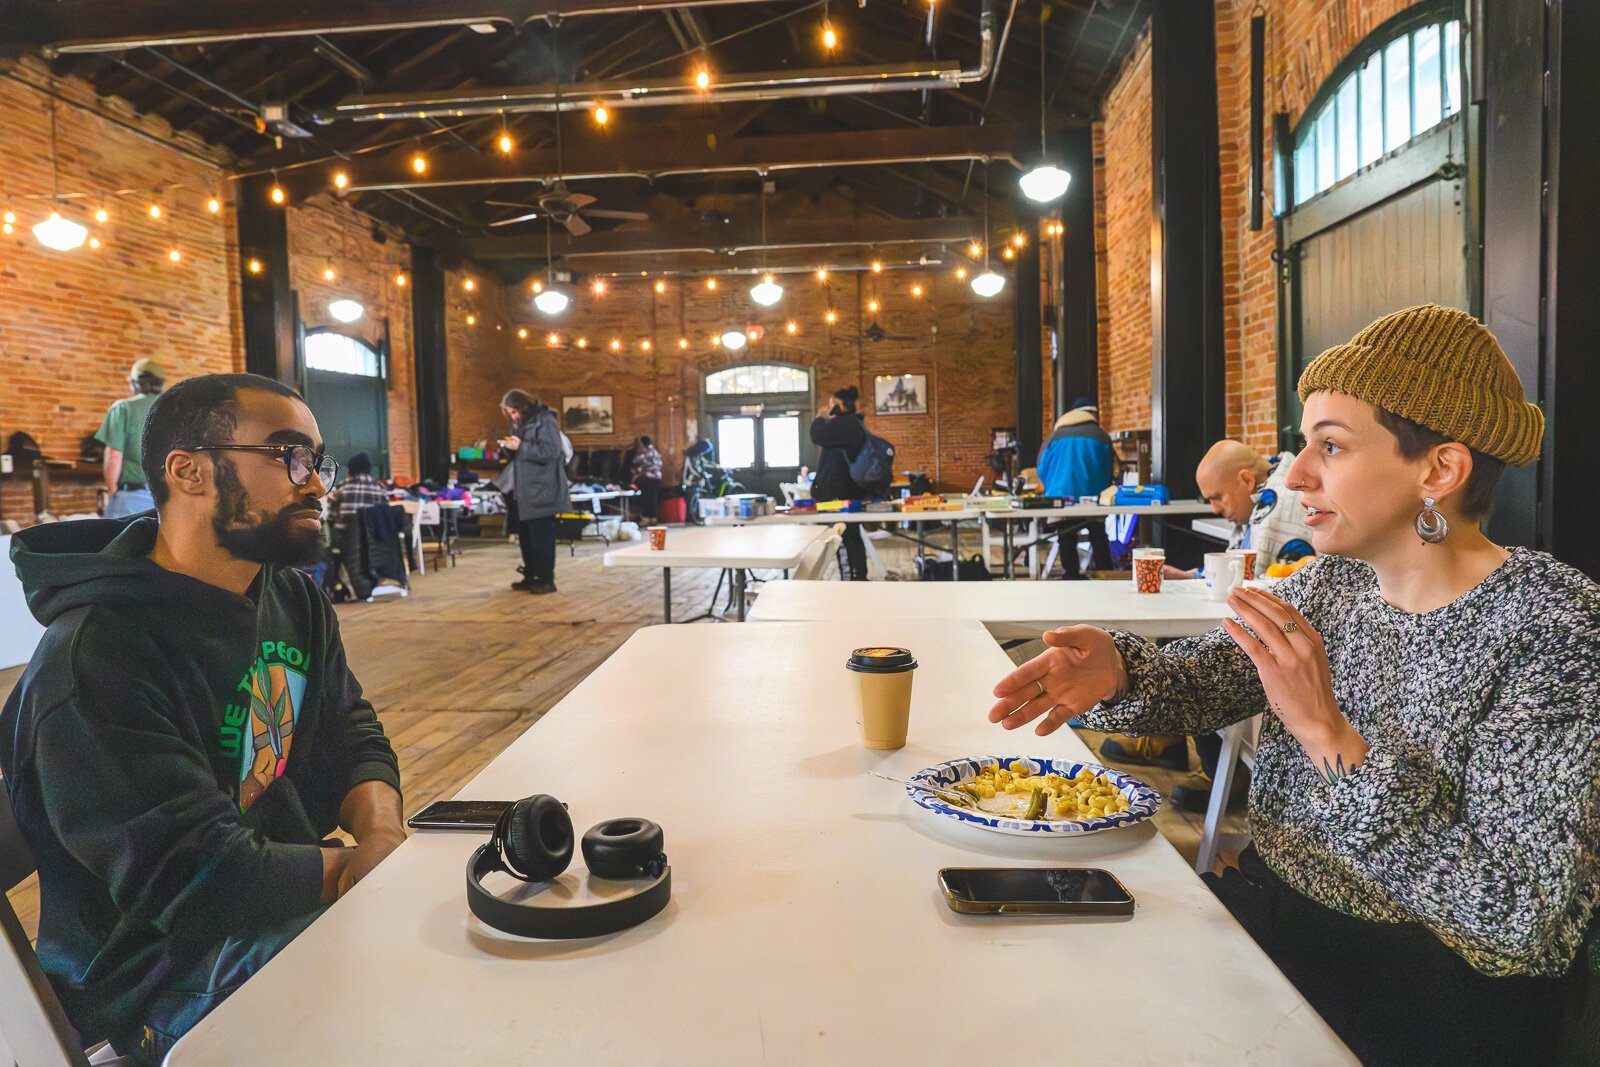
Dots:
pixel 537 836
pixel 625 848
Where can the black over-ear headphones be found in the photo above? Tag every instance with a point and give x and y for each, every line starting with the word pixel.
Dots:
pixel 532 840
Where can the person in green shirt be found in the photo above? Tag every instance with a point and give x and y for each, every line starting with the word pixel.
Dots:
pixel 120 431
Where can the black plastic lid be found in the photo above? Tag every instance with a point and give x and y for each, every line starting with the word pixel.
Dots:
pixel 881 659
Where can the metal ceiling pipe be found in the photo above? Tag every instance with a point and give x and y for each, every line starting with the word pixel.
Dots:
pixel 499 15
pixel 731 168
pixel 581 96
pixel 734 250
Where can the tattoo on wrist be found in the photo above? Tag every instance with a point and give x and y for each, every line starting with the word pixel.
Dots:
pixel 1332 772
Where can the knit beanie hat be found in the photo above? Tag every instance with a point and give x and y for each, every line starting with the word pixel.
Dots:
pixel 1442 369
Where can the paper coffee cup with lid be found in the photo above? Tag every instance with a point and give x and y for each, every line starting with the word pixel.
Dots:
pixel 883 693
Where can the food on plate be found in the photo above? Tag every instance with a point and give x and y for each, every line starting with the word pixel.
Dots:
pixel 1086 795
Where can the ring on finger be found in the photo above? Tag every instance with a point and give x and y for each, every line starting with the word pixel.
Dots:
pixel 1040 683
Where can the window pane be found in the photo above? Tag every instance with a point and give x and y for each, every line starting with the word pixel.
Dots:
pixel 1305 170
pixel 1326 154
pixel 1397 83
pixel 1429 88
pixel 736 443
pixel 1345 108
pixel 780 441
pixel 344 355
pixel 1371 111
pixel 1452 67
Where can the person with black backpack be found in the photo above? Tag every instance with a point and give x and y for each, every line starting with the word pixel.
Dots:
pixel 841 433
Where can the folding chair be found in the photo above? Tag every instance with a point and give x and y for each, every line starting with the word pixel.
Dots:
pixel 813 566
pixel 32 1022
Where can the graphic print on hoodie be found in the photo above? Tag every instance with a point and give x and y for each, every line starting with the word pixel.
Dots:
pixel 174 752
pixel 272 692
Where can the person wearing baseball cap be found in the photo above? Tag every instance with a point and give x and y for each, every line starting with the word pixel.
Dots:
pixel 120 430
pixel 1425 803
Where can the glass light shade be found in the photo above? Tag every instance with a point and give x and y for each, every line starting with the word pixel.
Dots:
pixel 552 301
pixel 766 292
pixel 988 283
pixel 1044 183
pixel 733 339
pixel 61 234
pixel 346 310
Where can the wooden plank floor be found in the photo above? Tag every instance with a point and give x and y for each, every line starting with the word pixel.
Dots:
pixel 462 667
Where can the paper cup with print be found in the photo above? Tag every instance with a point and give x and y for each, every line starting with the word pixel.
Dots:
pixel 1147 564
pixel 658 538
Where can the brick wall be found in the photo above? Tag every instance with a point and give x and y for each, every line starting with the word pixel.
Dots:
pixel 74 322
pixel 324 234
pixel 962 343
pixel 1123 141
pixel 478 354
pixel 1306 40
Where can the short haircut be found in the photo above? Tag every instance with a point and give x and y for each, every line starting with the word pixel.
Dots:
pixel 644 439
pixel 197 411
pixel 1414 440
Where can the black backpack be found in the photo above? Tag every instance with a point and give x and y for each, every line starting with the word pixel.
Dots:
pixel 873 466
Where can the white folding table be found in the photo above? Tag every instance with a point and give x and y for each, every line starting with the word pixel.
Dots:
pixel 19 631
pixel 1010 609
pixel 806 925
pixel 1003 517
pixel 731 548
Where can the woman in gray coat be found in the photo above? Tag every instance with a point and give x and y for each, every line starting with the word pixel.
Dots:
pixel 538 483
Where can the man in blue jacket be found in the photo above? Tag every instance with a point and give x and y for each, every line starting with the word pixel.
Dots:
pixel 1078 461
pixel 188 730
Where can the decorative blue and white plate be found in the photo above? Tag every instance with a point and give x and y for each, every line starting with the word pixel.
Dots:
pixel 1143 801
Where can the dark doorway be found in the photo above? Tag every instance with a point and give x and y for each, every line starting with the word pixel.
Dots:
pixel 346 390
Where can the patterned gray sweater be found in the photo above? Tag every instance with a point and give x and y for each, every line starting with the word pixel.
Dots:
pixel 1477 810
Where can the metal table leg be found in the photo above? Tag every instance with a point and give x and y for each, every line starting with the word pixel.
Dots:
pixel 1007 539
pixel 666 594
pixel 738 591
pixel 955 550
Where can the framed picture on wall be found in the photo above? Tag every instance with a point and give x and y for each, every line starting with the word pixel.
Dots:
pixel 900 394
pixel 587 414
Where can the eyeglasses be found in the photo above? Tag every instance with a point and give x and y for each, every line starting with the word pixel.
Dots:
pixel 301 461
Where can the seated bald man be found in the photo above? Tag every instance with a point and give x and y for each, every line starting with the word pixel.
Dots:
pixel 1248 489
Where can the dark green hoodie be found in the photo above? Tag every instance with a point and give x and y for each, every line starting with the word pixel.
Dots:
pixel 174 753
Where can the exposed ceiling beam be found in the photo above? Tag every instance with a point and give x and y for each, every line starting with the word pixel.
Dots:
pixel 725 240
pixel 591 157
pixel 66 26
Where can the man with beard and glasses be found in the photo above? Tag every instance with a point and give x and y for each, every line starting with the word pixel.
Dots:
pixel 188 731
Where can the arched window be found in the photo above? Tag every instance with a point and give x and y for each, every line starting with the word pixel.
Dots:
pixel 757 378
pixel 1396 89
pixel 331 351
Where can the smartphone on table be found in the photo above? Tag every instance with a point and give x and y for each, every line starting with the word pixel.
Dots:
pixel 459 815
pixel 1034 891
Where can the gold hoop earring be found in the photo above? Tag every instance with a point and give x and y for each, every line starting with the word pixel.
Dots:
pixel 1432 527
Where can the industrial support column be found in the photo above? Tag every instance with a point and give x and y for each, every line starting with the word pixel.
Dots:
pixel 1077 369
pixel 265 296
pixel 430 353
pixel 1188 409
pixel 1029 338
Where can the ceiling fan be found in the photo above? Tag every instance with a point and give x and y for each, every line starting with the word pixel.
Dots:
pixel 566 207
pixel 876 333
pixel 557 201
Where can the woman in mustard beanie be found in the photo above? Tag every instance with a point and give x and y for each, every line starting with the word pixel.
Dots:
pixel 1425 807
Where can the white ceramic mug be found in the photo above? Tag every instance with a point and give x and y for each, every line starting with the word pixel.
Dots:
pixel 1223 572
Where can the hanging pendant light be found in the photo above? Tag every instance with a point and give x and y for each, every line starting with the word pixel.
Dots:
pixel 733 340
pixel 55 232
pixel 346 310
pixel 766 292
pixel 988 283
pixel 1045 182
pixel 550 300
